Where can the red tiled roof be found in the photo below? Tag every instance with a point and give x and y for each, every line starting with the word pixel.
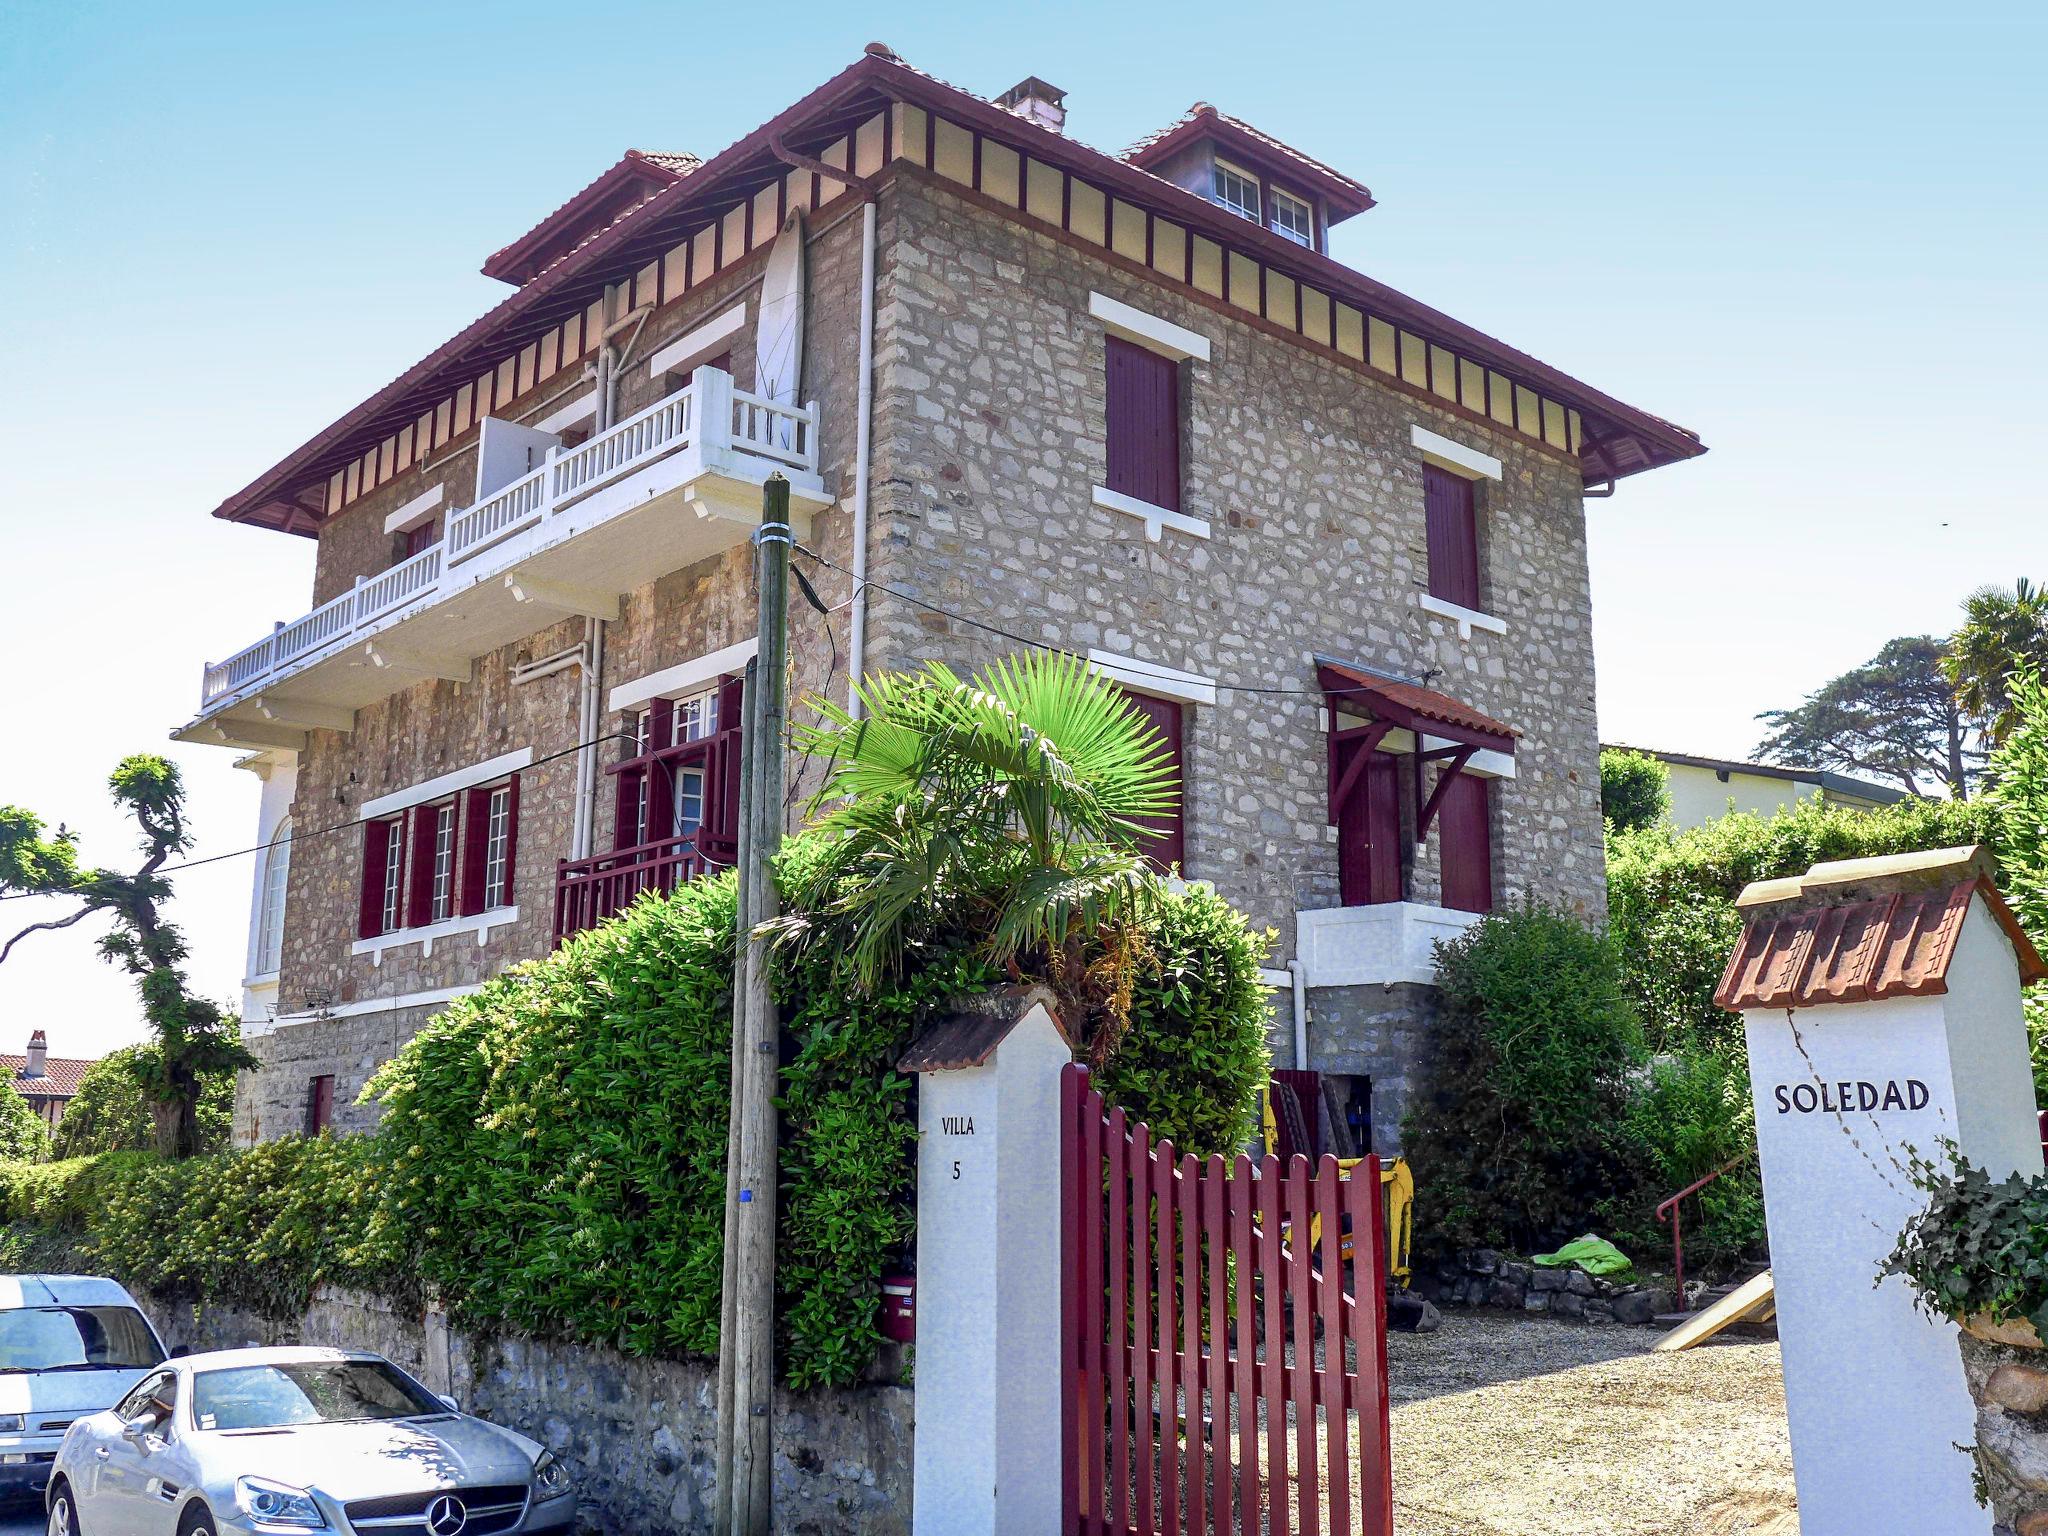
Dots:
pixel 59 1080
pixel 626 187
pixel 1409 705
pixel 1347 192
pixel 878 75
pixel 1862 930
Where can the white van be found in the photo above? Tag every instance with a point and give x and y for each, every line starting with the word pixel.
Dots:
pixel 70 1345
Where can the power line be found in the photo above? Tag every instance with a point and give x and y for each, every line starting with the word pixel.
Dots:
pixel 300 837
pixel 1279 690
pixel 1061 650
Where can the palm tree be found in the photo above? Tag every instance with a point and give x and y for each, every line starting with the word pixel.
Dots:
pixel 1003 811
pixel 2001 631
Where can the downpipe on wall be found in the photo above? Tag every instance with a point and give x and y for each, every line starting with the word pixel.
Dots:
pixel 1299 972
pixel 589 657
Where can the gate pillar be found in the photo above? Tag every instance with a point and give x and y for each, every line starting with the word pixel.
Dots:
pixel 1881 1001
pixel 986 1457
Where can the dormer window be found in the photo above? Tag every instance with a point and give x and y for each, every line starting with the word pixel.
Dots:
pixel 1294 218
pixel 1238 191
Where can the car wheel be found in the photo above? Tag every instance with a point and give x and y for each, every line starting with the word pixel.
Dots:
pixel 198 1521
pixel 63 1514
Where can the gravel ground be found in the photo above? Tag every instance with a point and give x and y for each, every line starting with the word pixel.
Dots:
pixel 1512 1427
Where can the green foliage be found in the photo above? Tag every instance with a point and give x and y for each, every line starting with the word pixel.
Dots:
pixel 1976 1248
pixel 24 1135
pixel 1003 810
pixel 262 1228
pixel 2020 793
pixel 1691 1115
pixel 1635 789
pixel 2004 632
pixel 1518 1134
pixel 1671 894
pixel 1893 718
pixel 1193 1056
pixel 194 1037
pixel 111 1114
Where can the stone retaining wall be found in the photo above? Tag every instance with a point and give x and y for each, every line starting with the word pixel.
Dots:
pixel 2008 1376
pixel 637 1434
pixel 1481 1277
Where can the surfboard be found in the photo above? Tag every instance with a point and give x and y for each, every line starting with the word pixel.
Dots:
pixel 779 332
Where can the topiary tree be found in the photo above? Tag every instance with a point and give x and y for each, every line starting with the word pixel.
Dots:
pixel 111 1113
pixel 1518 1129
pixel 1635 789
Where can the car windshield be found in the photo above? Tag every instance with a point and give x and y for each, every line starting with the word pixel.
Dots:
pixel 309 1392
pixel 75 1339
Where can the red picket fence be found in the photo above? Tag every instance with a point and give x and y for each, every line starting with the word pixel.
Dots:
pixel 1223 1371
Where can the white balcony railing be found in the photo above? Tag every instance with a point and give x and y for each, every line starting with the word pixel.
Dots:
pixel 708 414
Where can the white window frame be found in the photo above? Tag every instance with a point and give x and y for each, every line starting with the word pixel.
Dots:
pixel 676 797
pixel 1218 195
pixel 694 346
pixel 441 879
pixel 497 843
pixel 1282 199
pixel 686 678
pixel 277 864
pixel 447 784
pixel 1467 463
pixel 391 902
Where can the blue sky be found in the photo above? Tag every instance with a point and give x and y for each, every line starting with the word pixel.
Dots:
pixel 1811 232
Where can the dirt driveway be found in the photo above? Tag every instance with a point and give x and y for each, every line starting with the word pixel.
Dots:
pixel 1513 1427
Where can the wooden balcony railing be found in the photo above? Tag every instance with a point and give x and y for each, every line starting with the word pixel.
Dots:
pixel 587 891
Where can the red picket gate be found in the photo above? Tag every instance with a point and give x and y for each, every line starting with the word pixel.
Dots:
pixel 1223 1373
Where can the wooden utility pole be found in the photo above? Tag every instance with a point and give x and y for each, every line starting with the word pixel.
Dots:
pixel 746 1344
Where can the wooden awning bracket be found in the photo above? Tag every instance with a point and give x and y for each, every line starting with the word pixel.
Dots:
pixel 1426 810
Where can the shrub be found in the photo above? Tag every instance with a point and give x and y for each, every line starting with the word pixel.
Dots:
pixel 1518 1135
pixel 24 1135
pixel 553 1146
pixel 1692 1115
pixel 1635 790
pixel 1671 894
pixel 1193 1057
pixel 111 1114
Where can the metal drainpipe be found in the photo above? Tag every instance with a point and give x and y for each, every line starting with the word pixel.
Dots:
pixel 864 415
pixel 1300 974
pixel 857 640
pixel 583 832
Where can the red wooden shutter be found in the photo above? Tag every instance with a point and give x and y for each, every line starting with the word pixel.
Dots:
pixel 626 808
pixel 1369 830
pixel 1453 536
pixel 476 826
pixel 1142 424
pixel 376 850
pixel 1465 844
pixel 1166 842
pixel 511 840
pixel 319 1105
pixel 419 894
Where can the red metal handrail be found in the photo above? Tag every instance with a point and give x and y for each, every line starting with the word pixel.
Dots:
pixel 1669 1211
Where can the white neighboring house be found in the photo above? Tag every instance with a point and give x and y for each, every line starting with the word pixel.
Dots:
pixel 279 771
pixel 1704 789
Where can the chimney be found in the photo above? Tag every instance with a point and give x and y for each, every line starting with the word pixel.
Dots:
pixel 38 1055
pixel 1036 102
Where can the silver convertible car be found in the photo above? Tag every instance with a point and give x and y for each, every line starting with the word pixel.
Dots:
pixel 287 1442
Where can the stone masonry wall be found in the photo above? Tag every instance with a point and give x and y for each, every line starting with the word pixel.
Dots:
pixel 1380 1032
pixel 431 728
pixel 989 438
pixel 636 1434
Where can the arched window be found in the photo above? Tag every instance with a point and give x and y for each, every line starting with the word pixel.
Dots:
pixel 277 868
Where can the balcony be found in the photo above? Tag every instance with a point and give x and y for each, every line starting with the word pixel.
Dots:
pixel 661 490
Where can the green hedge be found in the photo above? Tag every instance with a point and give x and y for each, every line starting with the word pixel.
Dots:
pixel 551 1155
pixel 1671 909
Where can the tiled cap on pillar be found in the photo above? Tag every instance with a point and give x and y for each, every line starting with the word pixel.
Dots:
pixel 968 1033
pixel 1857 930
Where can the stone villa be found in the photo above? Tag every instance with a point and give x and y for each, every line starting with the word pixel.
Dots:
pixel 1332 540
